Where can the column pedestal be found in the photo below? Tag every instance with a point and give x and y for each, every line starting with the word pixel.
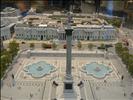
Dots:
pixel 69 88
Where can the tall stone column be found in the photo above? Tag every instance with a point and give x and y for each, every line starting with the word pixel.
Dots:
pixel 68 82
pixel 69 52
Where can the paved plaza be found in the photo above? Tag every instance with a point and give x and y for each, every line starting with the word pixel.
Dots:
pixel 26 87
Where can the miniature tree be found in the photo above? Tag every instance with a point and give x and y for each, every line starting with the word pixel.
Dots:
pixel 3 65
pixel 130 64
pixel 79 45
pixel 32 45
pixel 103 47
pixel 54 45
pixel 126 57
pixel 8 56
pixel 13 48
pixel 44 45
pixel 90 46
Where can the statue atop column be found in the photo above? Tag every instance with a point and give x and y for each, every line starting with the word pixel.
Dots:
pixel 68 82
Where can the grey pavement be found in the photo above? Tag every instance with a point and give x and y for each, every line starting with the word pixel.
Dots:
pixel 26 87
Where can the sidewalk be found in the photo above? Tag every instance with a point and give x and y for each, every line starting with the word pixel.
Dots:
pixel 26 41
pixel 83 42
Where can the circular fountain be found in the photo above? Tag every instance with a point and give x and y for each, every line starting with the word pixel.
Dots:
pixel 96 70
pixel 39 69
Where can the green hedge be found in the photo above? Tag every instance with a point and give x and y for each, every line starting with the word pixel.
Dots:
pixel 114 22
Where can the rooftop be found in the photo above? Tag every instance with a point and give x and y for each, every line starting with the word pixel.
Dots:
pixel 8 10
pixel 56 21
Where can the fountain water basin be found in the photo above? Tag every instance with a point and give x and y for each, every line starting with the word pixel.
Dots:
pixel 96 70
pixel 39 69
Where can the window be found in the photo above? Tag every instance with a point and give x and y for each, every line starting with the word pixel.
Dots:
pixel 113 37
pixel 82 37
pixel 107 37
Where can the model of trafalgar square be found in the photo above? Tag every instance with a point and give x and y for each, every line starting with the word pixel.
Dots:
pixel 66 50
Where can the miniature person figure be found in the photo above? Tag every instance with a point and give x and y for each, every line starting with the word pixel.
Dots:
pixel 105 81
pixel 132 94
pixel 124 94
pixel 122 77
pixel 31 95
pixel 12 76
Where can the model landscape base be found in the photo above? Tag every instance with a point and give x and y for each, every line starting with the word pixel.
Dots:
pixel 43 87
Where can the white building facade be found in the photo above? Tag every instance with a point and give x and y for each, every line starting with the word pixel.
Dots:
pixel 35 33
pixel 5 33
pixel 79 33
pixel 94 33
pixel 6 29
